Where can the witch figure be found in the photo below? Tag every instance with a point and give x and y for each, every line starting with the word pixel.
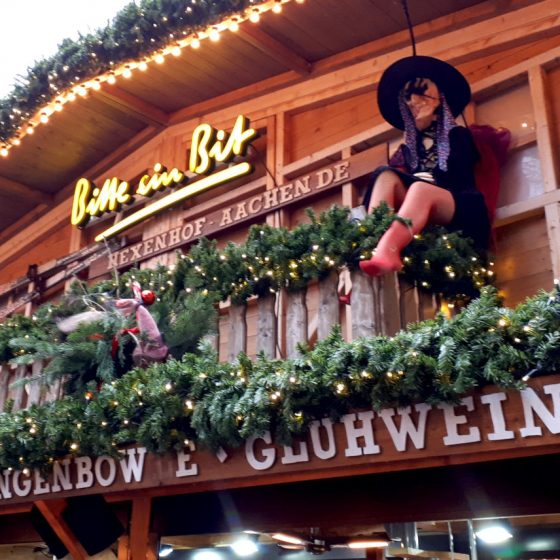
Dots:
pixel 431 177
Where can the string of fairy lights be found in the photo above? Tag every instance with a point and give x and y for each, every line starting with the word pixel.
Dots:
pixel 366 370
pixel 175 47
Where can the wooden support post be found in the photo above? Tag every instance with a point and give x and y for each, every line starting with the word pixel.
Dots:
pixel 267 326
pixel 140 528
pixel 427 306
pixel 552 214
pixel 363 305
pixel 124 548
pixel 410 303
pixel 19 392
pixel 213 338
pixel 35 388
pixel 76 242
pixel 389 304
pixel 153 542
pixel 329 309
pixel 237 339
pixel 547 156
pixel 296 321
pixel 52 512
pixel 4 383
pixel 543 121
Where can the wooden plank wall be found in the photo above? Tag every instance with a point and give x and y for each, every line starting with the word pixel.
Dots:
pixel 334 114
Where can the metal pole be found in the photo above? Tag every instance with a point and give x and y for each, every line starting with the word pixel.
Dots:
pixel 472 540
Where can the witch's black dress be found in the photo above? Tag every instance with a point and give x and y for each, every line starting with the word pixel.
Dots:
pixel 471 214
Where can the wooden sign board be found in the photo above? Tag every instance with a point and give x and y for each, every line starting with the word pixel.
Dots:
pixel 489 424
pixel 254 206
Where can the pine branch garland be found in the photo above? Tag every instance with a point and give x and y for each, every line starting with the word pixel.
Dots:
pixel 223 404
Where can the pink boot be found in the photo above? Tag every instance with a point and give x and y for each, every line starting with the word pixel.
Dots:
pixel 387 256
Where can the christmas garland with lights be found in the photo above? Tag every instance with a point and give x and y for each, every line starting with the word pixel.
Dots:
pixel 100 349
pixel 437 261
pixel 223 404
pixel 138 34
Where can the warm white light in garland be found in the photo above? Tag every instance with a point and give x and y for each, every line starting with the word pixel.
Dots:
pixel 213 32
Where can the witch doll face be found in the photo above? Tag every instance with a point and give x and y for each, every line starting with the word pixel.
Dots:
pixel 422 97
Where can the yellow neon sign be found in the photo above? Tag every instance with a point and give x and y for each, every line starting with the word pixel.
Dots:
pixel 182 194
pixel 208 147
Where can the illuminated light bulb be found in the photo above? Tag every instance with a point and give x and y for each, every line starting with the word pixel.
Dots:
pixel 300 1
pixel 30 129
pixel 195 43
pixel 143 66
pixel 234 26
pixel 17 142
pixel 4 151
pixel 96 85
pixel 374 543
pixel 74 447
pixel 214 35
pixel 127 73
pixel 58 106
pixel 111 79
pixel 244 547
pixel 255 16
pixel 82 91
pixel 159 58
pixel 277 8
pixel 71 96
pixel 176 50
pixel 290 539
pixel 44 118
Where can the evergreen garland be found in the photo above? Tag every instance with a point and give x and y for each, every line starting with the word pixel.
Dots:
pixel 222 404
pixel 272 258
pixel 137 31
pixel 86 354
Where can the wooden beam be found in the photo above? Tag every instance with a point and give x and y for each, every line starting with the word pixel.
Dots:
pixel 275 49
pixel 52 512
pixel 361 72
pixel 525 208
pixel 508 75
pixel 138 108
pixel 49 220
pixel 14 188
pixel 543 122
pixel 140 528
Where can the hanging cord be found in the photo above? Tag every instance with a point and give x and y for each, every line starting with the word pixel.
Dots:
pixel 253 151
pixel 409 23
pixel 451 540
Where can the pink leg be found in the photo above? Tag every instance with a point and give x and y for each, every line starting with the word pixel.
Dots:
pixel 388 188
pixel 423 203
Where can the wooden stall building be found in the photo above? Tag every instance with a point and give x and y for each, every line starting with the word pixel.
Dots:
pixel 292 85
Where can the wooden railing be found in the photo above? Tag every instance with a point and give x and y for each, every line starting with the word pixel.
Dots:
pixel 22 396
pixel 379 306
